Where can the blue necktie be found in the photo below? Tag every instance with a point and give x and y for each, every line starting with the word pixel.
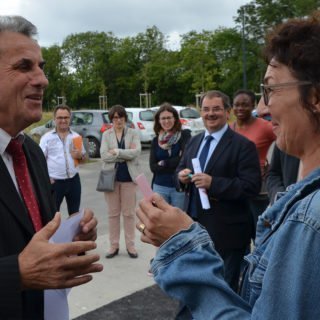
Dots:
pixel 204 152
pixel 192 210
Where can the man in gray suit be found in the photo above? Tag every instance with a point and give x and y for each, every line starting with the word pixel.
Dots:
pixel 28 262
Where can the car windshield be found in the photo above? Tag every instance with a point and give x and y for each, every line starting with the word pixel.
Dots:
pixel 147 115
pixel 81 118
pixel 189 113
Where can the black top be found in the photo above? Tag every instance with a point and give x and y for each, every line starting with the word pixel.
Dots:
pixel 170 163
pixel 123 174
pixel 283 171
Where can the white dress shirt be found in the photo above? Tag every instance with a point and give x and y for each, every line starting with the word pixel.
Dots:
pixel 61 165
pixel 5 139
pixel 214 142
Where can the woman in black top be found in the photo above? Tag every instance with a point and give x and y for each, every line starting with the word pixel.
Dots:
pixel 165 153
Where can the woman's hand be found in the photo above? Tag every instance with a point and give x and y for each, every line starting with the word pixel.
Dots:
pixel 113 152
pixel 159 221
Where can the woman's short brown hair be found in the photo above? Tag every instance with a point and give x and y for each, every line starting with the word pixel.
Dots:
pixel 296 44
pixel 166 107
pixel 120 110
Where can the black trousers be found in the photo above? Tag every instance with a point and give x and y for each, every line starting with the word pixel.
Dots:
pixel 69 189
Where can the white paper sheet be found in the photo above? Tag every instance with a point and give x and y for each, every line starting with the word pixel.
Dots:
pixel 55 300
pixel 202 191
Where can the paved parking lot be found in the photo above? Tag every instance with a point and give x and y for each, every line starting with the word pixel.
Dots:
pixel 121 276
pixel 90 198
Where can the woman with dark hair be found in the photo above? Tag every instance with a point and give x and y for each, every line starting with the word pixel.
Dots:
pixel 120 148
pixel 165 153
pixel 283 276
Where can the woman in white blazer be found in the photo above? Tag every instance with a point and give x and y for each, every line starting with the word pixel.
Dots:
pixel 120 148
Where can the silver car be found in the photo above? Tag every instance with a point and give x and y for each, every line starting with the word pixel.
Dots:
pixel 90 124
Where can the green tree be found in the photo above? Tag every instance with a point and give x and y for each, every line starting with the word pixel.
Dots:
pixel 56 73
pixel 87 56
pixel 198 63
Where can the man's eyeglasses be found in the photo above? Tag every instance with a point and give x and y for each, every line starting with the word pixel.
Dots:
pixel 213 109
pixel 268 88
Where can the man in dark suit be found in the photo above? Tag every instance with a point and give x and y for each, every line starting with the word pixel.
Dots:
pixel 231 175
pixel 28 262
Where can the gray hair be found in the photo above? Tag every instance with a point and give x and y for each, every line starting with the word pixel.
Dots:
pixel 18 24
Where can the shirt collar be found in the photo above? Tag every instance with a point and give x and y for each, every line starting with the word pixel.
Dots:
pixel 218 134
pixel 5 139
pixel 55 130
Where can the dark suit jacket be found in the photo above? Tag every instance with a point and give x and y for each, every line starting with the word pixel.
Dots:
pixel 283 171
pixel 234 167
pixel 16 230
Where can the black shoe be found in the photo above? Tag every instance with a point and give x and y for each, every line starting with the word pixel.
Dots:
pixel 113 254
pixel 132 255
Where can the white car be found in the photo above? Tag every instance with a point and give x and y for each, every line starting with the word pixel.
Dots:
pixel 142 120
pixel 190 119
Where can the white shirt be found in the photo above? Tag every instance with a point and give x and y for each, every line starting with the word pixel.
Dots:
pixel 5 138
pixel 61 165
pixel 216 138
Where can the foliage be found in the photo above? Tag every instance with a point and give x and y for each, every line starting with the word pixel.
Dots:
pixel 93 64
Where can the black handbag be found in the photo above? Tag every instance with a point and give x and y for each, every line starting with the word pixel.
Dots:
pixel 106 180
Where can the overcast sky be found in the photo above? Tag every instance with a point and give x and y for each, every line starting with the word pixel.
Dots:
pixel 56 19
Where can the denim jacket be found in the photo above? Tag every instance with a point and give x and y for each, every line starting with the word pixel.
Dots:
pixel 283 275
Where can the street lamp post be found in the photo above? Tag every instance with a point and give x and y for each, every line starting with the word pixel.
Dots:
pixel 244 52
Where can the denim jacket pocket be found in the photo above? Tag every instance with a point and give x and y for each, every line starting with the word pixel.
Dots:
pixel 256 271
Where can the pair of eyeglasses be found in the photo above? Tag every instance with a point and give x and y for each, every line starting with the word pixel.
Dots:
pixel 214 109
pixel 166 118
pixel 63 118
pixel 267 89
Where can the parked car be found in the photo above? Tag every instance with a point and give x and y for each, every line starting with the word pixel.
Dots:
pixel 90 124
pixel 190 119
pixel 142 120
pixel 37 132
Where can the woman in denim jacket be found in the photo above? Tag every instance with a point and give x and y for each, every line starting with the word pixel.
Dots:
pixel 282 279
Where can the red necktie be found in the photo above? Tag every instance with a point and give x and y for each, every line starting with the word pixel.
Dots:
pixel 14 148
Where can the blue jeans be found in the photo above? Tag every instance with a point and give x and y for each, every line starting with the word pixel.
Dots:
pixel 171 195
pixel 71 190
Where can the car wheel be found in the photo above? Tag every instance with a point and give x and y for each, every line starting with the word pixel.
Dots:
pixel 94 148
